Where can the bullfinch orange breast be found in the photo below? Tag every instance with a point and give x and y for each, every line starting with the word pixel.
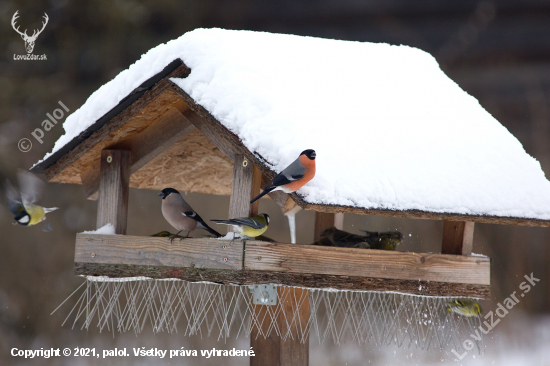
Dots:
pixel 294 176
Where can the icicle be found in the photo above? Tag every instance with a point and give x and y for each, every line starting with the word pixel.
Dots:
pixel 292 225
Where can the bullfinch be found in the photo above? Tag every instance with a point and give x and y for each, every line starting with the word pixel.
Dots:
pixel 22 203
pixel 180 215
pixel 294 176
pixel 247 227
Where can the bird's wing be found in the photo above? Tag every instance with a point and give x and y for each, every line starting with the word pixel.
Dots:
pixel 200 222
pixel 290 174
pixel 248 222
pixel 13 197
pixel 294 171
pixel 31 187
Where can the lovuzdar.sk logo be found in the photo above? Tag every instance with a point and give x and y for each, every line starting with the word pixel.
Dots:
pixel 29 40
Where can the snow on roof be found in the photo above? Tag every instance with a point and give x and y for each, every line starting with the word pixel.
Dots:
pixel 391 130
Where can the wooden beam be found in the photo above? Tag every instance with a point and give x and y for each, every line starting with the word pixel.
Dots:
pixel 155 251
pixel 287 264
pixel 247 277
pixel 417 214
pixel 293 320
pixel 168 129
pixel 267 349
pixel 339 221
pixel 222 140
pixel 246 185
pixel 323 221
pixel 458 237
pixel 109 128
pixel 293 258
pixel 114 186
pixel 291 346
pixel 282 199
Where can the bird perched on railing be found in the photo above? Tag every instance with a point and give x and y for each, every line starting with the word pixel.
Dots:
pixel 294 176
pixel 466 307
pixel 338 238
pixel 247 227
pixel 22 203
pixel 180 215
pixel 371 239
pixel 388 240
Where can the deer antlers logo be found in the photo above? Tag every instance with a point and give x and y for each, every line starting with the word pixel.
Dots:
pixel 29 40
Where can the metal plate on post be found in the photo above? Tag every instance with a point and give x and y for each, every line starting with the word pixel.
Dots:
pixel 264 294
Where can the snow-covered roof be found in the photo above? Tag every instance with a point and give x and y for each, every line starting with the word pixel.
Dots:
pixel 390 129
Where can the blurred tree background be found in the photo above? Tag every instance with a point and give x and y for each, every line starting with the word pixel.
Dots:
pixel 497 51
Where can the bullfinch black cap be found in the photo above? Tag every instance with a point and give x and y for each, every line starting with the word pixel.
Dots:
pixel 166 191
pixel 309 153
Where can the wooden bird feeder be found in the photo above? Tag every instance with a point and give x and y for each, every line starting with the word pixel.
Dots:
pixel 159 125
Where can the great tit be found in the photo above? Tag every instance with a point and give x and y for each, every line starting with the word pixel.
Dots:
pixel 294 176
pixel 180 215
pixel 22 203
pixel 247 227
pixel 466 307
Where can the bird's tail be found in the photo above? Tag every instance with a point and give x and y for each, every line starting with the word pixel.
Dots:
pixel 226 222
pixel 265 191
pixel 202 224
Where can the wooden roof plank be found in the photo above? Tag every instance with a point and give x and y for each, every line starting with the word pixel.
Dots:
pixel 109 123
pixel 169 128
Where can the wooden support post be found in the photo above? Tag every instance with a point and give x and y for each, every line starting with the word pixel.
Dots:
pixel 293 320
pixel 267 350
pixel 323 221
pixel 294 315
pixel 339 221
pixel 114 185
pixel 458 237
pixel 246 185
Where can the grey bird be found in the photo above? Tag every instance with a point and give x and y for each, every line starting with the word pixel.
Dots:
pixel 180 215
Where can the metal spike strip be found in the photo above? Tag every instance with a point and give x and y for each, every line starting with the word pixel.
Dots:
pixel 222 311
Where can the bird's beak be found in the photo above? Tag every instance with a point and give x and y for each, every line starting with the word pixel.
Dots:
pixel 15 222
pixel 161 195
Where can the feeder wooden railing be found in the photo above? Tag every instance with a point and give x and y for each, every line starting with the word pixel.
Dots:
pixel 258 262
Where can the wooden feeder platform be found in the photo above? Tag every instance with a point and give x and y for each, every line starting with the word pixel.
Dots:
pixel 259 262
